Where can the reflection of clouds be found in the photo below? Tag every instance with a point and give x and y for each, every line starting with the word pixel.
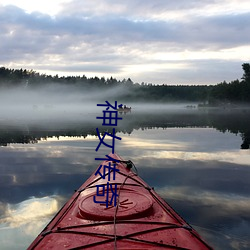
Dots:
pixel 202 144
pixel 222 219
pixel 226 240
pixel 149 144
pixel 62 157
pixel 2 209
pixel 68 138
pixel 38 170
pixel 236 156
pixel 228 203
pixel 185 139
pixel 22 222
pixel 29 212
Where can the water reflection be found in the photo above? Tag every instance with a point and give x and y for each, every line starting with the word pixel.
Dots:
pixel 234 121
pixel 28 211
pixel 20 222
pixel 193 161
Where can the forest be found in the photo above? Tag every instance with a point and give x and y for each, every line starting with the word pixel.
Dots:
pixel 224 93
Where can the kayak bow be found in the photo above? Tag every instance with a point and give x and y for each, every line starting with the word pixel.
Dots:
pixel 141 219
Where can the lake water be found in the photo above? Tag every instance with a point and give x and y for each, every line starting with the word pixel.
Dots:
pixel 197 160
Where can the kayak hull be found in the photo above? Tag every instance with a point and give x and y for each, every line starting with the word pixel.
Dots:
pixel 140 220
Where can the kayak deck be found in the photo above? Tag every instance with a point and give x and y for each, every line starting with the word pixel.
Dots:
pixel 141 219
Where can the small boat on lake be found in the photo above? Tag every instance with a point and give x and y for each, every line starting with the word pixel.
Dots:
pixel 116 209
pixel 124 109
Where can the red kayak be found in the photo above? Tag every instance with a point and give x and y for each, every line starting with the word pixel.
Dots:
pixel 116 209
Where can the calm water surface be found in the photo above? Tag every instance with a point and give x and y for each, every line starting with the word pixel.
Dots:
pixel 192 158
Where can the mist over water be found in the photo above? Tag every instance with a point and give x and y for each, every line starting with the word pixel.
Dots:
pixel 61 102
pixel 56 102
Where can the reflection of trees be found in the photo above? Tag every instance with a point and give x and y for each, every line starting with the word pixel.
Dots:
pixel 234 121
pixel 246 141
pixel 17 138
pixel 20 135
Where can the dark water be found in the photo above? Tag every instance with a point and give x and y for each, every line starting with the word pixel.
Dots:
pixel 197 160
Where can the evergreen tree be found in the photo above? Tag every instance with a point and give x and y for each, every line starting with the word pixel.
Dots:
pixel 246 69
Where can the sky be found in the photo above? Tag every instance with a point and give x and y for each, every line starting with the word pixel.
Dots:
pixel 152 41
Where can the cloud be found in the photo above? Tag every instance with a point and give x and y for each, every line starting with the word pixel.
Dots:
pixel 95 38
pixel 144 10
pixel 44 31
pixel 115 30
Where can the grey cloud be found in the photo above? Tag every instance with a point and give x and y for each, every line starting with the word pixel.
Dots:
pixel 98 39
pixel 220 31
pixel 85 68
pixel 134 8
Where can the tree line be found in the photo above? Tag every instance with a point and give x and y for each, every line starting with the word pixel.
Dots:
pixel 236 91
